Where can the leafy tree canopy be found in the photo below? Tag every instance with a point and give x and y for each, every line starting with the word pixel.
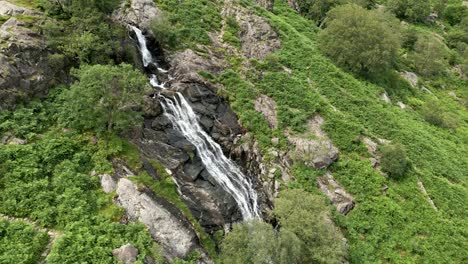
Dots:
pixel 105 97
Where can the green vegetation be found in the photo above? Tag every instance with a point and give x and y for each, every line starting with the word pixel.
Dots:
pixel 393 160
pixel 411 10
pixel 20 242
pixel 303 236
pixel 231 31
pixel 105 97
pixel 361 41
pixel 188 22
pixel 48 181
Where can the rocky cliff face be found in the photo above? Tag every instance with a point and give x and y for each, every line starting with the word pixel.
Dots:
pixel 24 68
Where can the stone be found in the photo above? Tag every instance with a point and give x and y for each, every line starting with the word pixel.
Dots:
pixel 267 4
pixel 139 13
pixel 9 9
pixel 401 105
pixel 337 195
pixel 175 235
pixel 267 106
pixel 411 77
pixel 313 147
pixel 424 89
pixel 465 3
pixel 257 37
pixel 17 141
pixel 294 5
pixel 108 183
pixel 24 67
pixel 385 98
pixel 127 254
pixel 275 141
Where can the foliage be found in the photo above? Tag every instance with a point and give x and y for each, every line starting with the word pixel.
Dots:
pixel 83 32
pixel 317 10
pixel 393 160
pixel 20 242
pixel 454 14
pixel 305 215
pixel 361 41
pixel 412 10
pixel 48 181
pixel 164 32
pixel 435 113
pixel 230 32
pixel 429 56
pixel 188 22
pixel 105 97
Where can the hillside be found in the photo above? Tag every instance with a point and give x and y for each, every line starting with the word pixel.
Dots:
pixel 203 131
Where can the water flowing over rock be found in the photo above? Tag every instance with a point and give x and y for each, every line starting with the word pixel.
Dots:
pixel 174 234
pixel 265 105
pixel 342 200
pixel 223 171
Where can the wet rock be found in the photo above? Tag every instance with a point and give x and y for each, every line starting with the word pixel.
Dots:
pixel 318 151
pixel 108 183
pixel 338 196
pixel 127 254
pixel 267 106
pixel 171 157
pixel 193 169
pixel 173 233
pixel 139 12
pixel 411 77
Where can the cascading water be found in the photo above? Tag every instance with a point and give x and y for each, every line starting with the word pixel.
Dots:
pixel 145 53
pixel 225 172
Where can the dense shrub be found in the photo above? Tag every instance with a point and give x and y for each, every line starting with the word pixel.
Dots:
pixel 412 10
pixel 317 10
pixel 454 14
pixel 435 113
pixel 105 98
pixel 393 160
pixel 361 41
pixel 430 56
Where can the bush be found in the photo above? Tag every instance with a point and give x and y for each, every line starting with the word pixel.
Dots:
pixel 430 56
pixel 361 41
pixel 164 32
pixel 412 10
pixel 317 10
pixel 393 160
pixel 436 114
pixel 454 14
pixel 105 98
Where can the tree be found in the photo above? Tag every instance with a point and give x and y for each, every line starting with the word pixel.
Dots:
pixel 361 41
pixel 306 216
pixel 393 160
pixel 412 10
pixel 454 14
pixel 317 10
pixel 105 97
pixel 435 113
pixel 429 56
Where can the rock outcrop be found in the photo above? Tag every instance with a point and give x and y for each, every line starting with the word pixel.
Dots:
pixel 313 147
pixel 127 254
pixel 174 234
pixel 265 105
pixel 9 9
pixel 411 77
pixel 24 68
pixel 337 195
pixel 267 4
pixel 257 37
pixel 138 12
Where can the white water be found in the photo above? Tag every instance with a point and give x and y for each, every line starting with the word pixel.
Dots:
pixel 225 172
pixel 145 53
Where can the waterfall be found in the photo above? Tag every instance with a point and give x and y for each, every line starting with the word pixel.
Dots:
pixel 225 172
pixel 145 53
